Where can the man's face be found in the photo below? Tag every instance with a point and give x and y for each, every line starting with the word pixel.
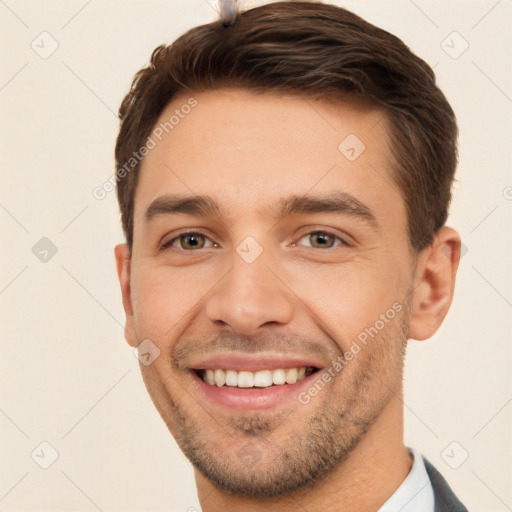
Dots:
pixel 270 281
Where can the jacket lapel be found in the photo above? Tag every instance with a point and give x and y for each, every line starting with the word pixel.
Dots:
pixel 444 498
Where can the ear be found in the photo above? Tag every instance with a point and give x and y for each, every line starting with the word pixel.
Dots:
pixel 434 283
pixel 123 263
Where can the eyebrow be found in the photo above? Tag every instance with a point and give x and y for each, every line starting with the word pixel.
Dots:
pixel 199 206
pixel 335 202
pixel 205 206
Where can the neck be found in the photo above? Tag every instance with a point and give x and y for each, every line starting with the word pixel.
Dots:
pixel 365 480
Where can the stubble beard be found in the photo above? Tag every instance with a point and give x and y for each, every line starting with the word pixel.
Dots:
pixel 267 466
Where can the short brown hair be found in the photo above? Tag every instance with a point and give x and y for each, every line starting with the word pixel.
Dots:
pixel 316 50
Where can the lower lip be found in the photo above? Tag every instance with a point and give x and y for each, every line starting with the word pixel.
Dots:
pixel 253 398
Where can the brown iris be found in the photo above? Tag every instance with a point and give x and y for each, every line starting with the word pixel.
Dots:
pixel 320 239
pixel 190 241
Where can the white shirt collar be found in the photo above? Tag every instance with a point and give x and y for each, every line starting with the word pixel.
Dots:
pixel 416 493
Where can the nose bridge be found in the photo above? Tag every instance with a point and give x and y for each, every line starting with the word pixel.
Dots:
pixel 250 295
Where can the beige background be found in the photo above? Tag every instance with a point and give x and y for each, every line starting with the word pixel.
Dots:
pixel 67 375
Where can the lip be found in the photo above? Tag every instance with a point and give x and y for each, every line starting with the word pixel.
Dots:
pixel 238 399
pixel 241 362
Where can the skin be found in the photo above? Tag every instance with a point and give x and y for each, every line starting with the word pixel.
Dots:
pixel 344 449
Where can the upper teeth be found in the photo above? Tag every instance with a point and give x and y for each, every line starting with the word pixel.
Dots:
pixel 260 379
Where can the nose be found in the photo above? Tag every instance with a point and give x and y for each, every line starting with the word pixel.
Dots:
pixel 250 296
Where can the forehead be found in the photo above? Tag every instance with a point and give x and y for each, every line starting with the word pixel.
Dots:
pixel 250 150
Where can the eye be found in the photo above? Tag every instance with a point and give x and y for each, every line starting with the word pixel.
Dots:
pixel 188 241
pixel 322 240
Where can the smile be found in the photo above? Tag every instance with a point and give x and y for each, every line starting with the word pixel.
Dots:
pixel 244 382
pixel 259 379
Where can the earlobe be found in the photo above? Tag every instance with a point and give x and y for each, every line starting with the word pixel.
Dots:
pixel 434 283
pixel 123 263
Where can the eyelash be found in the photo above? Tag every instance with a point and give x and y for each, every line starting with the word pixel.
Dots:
pixel 169 243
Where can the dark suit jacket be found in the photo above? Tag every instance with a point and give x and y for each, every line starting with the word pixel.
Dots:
pixel 444 499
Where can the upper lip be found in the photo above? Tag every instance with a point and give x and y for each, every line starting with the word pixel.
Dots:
pixel 252 362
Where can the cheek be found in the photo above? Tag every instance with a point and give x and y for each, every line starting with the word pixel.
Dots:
pixel 161 299
pixel 347 300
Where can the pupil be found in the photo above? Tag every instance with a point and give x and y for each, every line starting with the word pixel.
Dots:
pixel 322 239
pixel 191 241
